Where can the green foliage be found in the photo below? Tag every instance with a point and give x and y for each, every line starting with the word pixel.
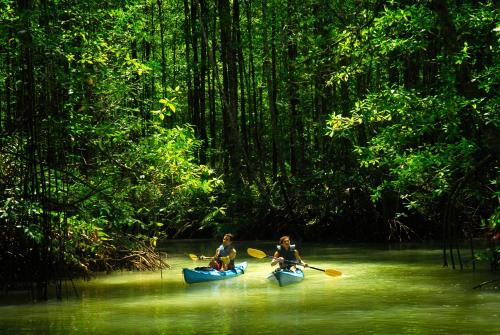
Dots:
pixel 416 142
pixel 491 227
pixel 493 222
pixel 423 145
pixel 410 110
pixel 104 165
pixel 183 190
pixel 151 184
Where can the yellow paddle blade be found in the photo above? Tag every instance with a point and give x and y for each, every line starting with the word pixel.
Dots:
pixel 256 253
pixel 333 272
pixel 193 257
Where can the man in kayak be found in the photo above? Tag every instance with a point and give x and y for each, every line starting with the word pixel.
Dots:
pixel 224 255
pixel 287 256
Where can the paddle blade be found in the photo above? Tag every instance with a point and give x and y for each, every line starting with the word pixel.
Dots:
pixel 256 253
pixel 333 272
pixel 193 257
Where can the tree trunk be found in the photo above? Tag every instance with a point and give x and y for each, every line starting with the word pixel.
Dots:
pixel 293 91
pixel 252 89
pixel 241 71
pixel 187 39
pixel 266 68
pixel 203 76
pixel 230 83
pixel 195 117
pixel 162 46
pixel 451 42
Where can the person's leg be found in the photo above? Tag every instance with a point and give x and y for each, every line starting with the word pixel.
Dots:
pixel 214 264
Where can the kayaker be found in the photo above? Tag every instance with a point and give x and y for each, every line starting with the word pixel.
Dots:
pixel 286 251
pixel 224 255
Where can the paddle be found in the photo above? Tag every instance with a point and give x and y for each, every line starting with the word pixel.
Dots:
pixel 197 258
pixel 261 254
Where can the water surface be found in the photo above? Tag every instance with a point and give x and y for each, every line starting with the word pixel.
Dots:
pixel 383 290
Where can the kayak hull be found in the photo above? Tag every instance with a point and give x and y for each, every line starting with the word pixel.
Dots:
pixel 199 276
pixel 284 277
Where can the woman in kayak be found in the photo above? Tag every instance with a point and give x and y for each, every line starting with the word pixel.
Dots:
pixel 287 256
pixel 224 255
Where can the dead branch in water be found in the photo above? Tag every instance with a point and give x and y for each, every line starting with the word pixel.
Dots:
pixel 486 283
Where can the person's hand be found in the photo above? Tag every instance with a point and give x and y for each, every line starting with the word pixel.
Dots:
pixel 305 265
pixel 280 259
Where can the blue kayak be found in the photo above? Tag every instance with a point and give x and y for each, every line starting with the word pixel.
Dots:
pixel 202 275
pixel 285 277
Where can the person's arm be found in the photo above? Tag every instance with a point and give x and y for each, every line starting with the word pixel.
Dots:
pixel 216 256
pixel 276 259
pixel 232 254
pixel 297 256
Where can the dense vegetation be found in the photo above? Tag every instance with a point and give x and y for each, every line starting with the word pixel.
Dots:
pixel 122 122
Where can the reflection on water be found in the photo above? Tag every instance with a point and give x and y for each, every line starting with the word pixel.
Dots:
pixel 382 291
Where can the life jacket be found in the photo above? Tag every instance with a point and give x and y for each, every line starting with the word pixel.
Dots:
pixel 288 255
pixel 225 251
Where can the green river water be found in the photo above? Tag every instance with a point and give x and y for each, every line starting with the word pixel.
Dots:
pixel 383 290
